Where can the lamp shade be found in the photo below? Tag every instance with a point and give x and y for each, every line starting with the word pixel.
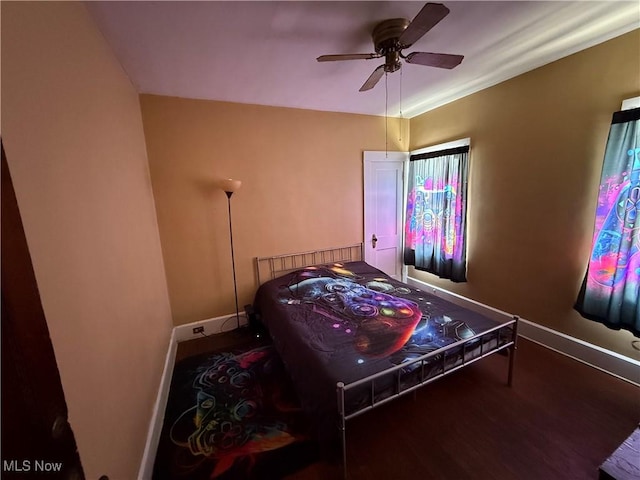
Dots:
pixel 229 185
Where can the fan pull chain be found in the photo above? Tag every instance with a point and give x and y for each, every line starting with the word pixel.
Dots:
pixel 401 117
pixel 386 116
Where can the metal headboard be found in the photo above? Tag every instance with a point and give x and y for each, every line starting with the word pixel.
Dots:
pixel 268 268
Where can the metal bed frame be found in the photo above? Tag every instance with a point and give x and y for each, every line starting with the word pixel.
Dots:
pixel 268 268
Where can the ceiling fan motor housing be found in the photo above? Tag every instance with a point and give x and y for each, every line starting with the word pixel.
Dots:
pixel 386 37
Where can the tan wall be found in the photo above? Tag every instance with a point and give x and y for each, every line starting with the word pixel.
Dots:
pixel 537 148
pixel 72 131
pixel 302 189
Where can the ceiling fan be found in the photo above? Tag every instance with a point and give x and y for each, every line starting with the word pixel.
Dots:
pixel 392 36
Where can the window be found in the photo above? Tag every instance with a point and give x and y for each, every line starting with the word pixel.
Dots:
pixel 611 288
pixel 435 229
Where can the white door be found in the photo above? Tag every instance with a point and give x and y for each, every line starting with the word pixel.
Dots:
pixel 383 210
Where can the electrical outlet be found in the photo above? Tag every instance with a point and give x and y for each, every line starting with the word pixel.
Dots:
pixel 197 330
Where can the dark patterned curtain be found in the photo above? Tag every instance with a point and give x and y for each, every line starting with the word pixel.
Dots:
pixel 611 288
pixel 435 227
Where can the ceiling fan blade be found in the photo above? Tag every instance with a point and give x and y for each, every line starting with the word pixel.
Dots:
pixel 426 19
pixel 373 79
pixel 347 56
pixel 440 60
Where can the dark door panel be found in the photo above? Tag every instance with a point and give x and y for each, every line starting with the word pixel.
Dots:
pixel 36 436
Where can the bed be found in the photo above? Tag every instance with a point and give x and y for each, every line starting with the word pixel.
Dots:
pixel 352 338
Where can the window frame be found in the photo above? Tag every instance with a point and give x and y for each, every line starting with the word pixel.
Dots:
pixel 462 142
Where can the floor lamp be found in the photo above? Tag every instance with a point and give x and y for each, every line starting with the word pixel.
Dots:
pixel 230 186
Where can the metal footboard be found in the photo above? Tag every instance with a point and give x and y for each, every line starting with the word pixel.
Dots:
pixel 502 342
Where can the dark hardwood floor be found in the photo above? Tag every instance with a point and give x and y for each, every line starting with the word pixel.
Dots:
pixel 561 419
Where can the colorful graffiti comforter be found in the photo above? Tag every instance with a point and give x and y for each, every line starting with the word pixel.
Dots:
pixel 344 322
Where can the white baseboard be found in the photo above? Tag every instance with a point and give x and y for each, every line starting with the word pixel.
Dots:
pixel 211 326
pixel 180 333
pixel 610 362
pixel 157 417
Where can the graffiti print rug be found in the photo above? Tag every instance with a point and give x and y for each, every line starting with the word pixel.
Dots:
pixel 232 414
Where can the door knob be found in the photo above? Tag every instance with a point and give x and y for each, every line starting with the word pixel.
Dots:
pixel 59 426
pixel 374 240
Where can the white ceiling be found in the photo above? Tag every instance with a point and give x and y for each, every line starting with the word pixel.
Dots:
pixel 265 52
